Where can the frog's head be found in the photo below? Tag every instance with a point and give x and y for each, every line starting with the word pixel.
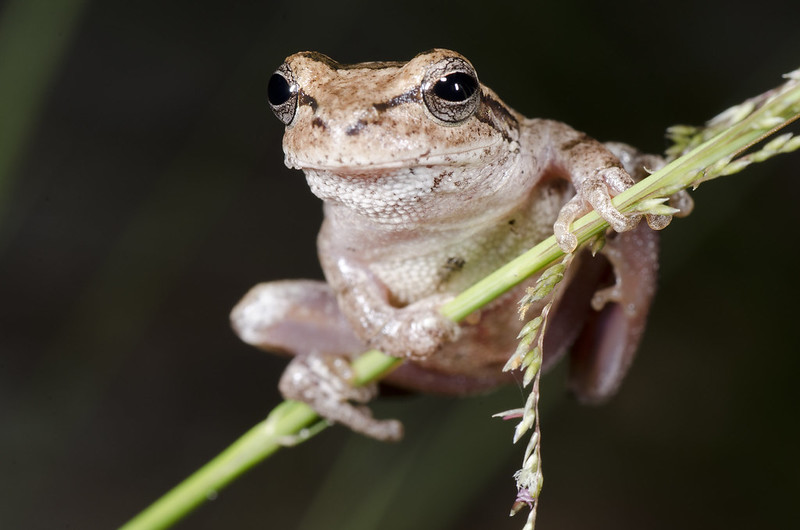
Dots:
pixel 424 126
pixel 430 110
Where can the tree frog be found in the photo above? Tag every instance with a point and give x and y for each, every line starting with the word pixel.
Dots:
pixel 429 182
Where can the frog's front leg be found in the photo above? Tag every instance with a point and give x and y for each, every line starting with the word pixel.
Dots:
pixel 325 383
pixel 598 172
pixel 414 331
pixel 302 318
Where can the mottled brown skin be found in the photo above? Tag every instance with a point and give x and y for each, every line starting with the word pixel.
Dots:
pixel 426 191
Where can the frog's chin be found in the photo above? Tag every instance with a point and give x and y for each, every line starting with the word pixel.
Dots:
pixel 387 195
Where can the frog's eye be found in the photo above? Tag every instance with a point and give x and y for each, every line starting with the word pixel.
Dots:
pixel 282 94
pixel 451 90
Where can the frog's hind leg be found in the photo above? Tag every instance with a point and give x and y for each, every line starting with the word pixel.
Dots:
pixel 605 348
pixel 302 318
pixel 295 317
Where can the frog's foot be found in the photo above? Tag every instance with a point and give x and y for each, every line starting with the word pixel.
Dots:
pixel 325 383
pixel 418 330
pixel 606 346
pixel 595 193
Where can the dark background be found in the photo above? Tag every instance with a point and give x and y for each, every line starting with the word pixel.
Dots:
pixel 142 192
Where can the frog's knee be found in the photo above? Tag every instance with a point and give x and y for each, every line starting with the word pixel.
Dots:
pixel 293 316
pixel 602 355
pixel 607 344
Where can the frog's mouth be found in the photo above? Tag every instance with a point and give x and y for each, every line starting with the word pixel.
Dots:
pixel 356 172
pixel 365 165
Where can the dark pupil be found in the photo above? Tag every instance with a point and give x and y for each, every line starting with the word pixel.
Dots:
pixel 457 86
pixel 278 90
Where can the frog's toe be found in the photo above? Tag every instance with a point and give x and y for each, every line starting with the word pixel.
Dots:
pixel 573 209
pixel 683 205
pixel 658 222
pixel 324 382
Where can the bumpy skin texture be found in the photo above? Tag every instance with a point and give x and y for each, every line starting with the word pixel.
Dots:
pixel 429 183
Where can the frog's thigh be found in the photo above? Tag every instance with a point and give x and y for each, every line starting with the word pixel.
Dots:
pixel 607 344
pixel 296 317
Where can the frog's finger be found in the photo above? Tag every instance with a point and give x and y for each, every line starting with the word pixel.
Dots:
pixel 324 382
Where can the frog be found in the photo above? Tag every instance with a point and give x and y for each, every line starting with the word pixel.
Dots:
pixel 429 182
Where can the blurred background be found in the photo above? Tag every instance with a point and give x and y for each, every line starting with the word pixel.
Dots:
pixel 142 192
